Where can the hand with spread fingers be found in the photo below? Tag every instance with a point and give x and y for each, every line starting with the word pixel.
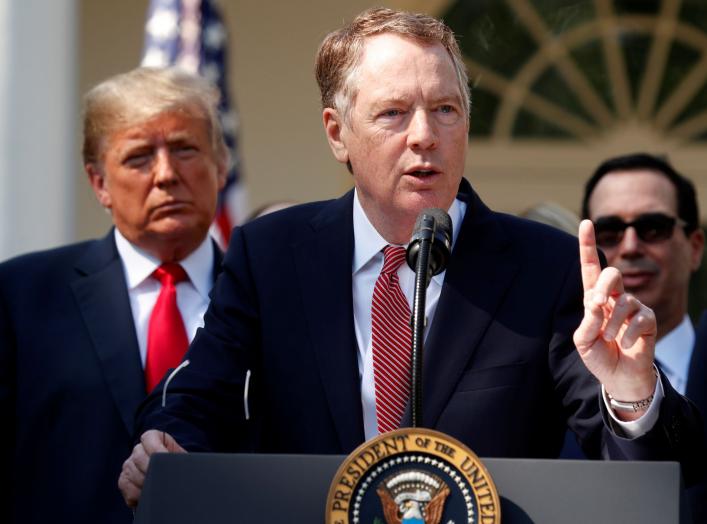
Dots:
pixel 616 338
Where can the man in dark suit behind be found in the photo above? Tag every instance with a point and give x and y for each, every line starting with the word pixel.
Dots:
pixel 79 325
pixel 304 337
pixel 646 220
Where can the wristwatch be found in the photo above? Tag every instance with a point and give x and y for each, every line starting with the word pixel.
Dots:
pixel 636 405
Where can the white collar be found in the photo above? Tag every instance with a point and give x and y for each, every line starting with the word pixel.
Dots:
pixel 368 242
pixel 139 264
pixel 674 350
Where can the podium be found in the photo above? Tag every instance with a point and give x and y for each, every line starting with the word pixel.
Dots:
pixel 249 488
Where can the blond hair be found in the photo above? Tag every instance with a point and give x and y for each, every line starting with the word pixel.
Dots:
pixel 143 93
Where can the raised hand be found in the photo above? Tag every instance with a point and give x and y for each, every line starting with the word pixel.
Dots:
pixel 616 338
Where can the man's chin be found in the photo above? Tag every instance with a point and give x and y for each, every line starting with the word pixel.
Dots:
pixel 179 227
pixel 419 201
pixel 644 294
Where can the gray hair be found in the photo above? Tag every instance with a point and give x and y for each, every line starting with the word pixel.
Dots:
pixel 338 57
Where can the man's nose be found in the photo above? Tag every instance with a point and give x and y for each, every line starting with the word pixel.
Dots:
pixel 165 172
pixel 421 131
pixel 630 245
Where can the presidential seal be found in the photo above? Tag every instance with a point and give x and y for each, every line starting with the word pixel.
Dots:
pixel 413 476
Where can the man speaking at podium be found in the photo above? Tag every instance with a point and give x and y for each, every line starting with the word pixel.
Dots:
pixel 305 347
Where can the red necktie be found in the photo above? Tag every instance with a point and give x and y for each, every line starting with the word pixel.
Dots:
pixel 392 342
pixel 167 339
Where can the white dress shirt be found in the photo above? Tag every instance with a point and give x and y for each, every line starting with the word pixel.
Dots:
pixel 192 295
pixel 367 264
pixel 674 352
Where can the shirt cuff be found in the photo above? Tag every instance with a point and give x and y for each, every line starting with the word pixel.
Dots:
pixel 643 424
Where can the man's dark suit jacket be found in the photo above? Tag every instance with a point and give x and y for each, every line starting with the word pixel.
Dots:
pixel 500 370
pixel 70 382
pixel 697 392
pixel 697 375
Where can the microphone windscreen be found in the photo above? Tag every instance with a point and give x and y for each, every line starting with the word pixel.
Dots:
pixel 435 225
pixel 443 222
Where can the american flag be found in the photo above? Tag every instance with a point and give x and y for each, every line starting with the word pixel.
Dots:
pixel 190 34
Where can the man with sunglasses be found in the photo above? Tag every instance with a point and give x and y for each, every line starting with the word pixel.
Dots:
pixel 646 221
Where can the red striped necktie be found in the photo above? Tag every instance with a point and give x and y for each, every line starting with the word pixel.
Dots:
pixel 167 339
pixel 392 340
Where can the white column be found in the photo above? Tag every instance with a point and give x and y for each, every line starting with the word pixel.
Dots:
pixel 38 118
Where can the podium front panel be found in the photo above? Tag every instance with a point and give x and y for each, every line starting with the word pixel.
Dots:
pixel 247 488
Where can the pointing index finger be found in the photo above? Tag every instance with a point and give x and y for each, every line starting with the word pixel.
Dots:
pixel 588 256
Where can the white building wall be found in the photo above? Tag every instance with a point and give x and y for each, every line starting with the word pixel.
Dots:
pixel 38 107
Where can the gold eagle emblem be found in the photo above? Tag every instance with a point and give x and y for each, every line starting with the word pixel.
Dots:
pixel 413 497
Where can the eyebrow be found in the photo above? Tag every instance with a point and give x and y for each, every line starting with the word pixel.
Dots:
pixel 390 100
pixel 177 136
pixel 393 100
pixel 445 99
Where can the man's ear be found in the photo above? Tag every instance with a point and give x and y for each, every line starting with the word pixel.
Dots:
pixel 697 244
pixel 98 183
pixel 334 126
pixel 223 162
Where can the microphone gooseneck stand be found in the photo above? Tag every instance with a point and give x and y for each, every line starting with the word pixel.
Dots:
pixel 418 319
pixel 427 255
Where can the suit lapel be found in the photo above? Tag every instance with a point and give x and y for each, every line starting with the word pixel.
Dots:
pixel 696 384
pixel 479 273
pixel 323 260
pixel 218 259
pixel 103 301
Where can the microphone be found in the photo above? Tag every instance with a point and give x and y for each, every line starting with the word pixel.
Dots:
pixel 435 226
pixel 427 255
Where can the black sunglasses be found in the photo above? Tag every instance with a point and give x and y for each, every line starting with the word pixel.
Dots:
pixel 650 228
